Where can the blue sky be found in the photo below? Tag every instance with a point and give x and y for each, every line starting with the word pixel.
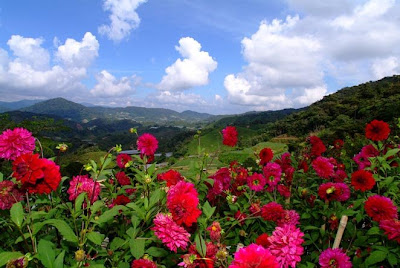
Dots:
pixel 226 56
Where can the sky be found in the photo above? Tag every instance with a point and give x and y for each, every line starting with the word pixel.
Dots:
pixel 214 56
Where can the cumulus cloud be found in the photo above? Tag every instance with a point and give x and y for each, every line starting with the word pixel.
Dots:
pixel 190 72
pixel 109 86
pixel 289 61
pixel 28 71
pixel 123 18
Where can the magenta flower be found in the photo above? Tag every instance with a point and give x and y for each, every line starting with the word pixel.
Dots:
pixel 254 256
pixel 16 142
pixel 147 144
pixel 272 172
pixel 81 184
pixel 171 234
pixel 291 217
pixel 334 258
pixel 323 167
pixel 256 182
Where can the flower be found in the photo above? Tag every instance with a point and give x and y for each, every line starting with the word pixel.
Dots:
pixel 272 211
pixel 272 172
pixel 290 217
pixel 377 130
pixel 182 202
pixel 254 256
pixel 391 228
pixel 215 231
pixel 380 208
pixel 83 184
pixel 171 176
pixel 143 263
pixel 317 146
pixel 121 200
pixel 283 191
pixel 362 158
pixel 256 182
pixel 122 178
pixel 16 142
pixel 171 234
pixel 334 191
pixel 147 144
pixel 230 136
pixel 362 180
pixel 21 262
pixel 262 240
pixel 240 216
pixel 222 179
pixel 286 245
pixel 323 167
pixel 338 144
pixel 123 160
pixel 255 209
pixel 9 194
pixel 37 175
pixel 266 155
pixel 334 258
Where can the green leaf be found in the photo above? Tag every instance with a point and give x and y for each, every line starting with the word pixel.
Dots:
pixel 9 255
pixel 17 214
pixel 46 253
pixel 155 197
pixel 373 231
pixel 64 229
pixel 109 214
pixel 78 203
pixel 137 247
pixel 157 252
pixel 96 206
pixel 59 263
pixel 208 210
pixel 95 237
pixel 392 259
pixel 375 257
pixel 116 243
pixel 200 245
pixel 1 177
pixel 391 152
pixel 123 265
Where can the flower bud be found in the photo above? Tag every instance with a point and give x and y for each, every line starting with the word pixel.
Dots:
pixel 80 255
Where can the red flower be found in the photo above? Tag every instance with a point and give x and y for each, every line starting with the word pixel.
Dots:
pixel 323 167
pixel 254 256
pixel 377 130
pixel 121 200
pixel 283 191
pixel 256 182
pixel 362 180
pixel 147 144
pixel 334 191
pixel 338 144
pixel 272 212
pixel 230 136
pixel 123 160
pixel 380 208
pixel 182 202
pixel 9 194
pixel 255 209
pixel 391 228
pixel 317 146
pixel 266 155
pixel 240 216
pixel 122 178
pixel 143 263
pixel 215 231
pixel 262 240
pixel 171 176
pixel 37 175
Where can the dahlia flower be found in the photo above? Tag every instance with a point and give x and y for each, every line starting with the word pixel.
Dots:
pixel 272 172
pixel 323 167
pixel 286 245
pixel 290 217
pixel 230 136
pixel 362 180
pixel 123 160
pixel 380 208
pixel 16 142
pixel 391 228
pixel 215 231
pixel 377 130
pixel 147 144
pixel 83 184
pixel 143 263
pixel 283 190
pixel 334 258
pixel 262 240
pixel 9 194
pixel 334 191
pixel 182 202
pixel 272 212
pixel 265 155
pixel 254 256
pixel 256 182
pixel 122 178
pixel 317 146
pixel 171 176
pixel 171 234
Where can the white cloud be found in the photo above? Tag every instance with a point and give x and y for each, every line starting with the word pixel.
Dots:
pixel 218 98
pixel 179 98
pixel 123 18
pixel 289 61
pixel 190 72
pixel 28 72
pixel 109 86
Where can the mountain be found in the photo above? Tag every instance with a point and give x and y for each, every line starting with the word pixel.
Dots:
pixel 15 105
pixel 80 113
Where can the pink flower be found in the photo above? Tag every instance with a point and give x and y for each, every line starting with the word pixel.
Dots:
pixel 230 136
pixel 215 231
pixel 83 184
pixel 272 172
pixel 171 234
pixel 256 182
pixel 334 258
pixel 254 256
pixel 323 167
pixel 147 144
pixel 16 142
pixel 143 263
pixel 286 245
pixel 291 217
pixel 334 191
pixel 9 194
pixel 391 228
pixel 123 160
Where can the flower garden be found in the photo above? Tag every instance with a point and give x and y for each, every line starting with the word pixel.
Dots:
pixel 317 208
